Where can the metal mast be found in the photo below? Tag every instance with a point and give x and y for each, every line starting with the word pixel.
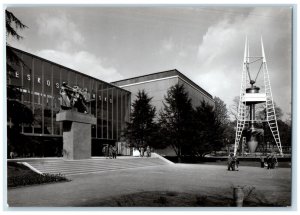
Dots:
pixel 250 96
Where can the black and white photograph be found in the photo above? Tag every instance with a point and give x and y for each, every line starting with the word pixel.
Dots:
pixel 148 106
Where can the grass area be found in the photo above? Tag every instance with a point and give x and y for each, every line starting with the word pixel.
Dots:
pixel 178 199
pixel 20 175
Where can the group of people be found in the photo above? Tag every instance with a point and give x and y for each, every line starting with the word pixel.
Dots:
pixel 233 163
pixel 110 151
pixel 142 151
pixel 270 161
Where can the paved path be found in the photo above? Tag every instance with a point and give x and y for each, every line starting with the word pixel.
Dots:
pixel 87 190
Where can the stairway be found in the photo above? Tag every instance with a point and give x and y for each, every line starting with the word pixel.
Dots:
pixel 93 165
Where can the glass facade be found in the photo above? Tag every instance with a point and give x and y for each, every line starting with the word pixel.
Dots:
pixel 40 81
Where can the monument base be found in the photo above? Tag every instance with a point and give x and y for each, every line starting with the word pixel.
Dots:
pixel 77 138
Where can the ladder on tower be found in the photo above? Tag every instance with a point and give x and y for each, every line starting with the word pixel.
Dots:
pixel 270 109
pixel 242 109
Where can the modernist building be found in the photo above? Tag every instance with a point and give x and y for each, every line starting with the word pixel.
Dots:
pixel 156 86
pixel 39 80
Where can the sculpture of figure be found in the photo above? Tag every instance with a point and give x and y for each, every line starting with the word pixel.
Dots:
pixel 74 98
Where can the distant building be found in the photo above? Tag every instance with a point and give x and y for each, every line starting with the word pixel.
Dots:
pixel 156 85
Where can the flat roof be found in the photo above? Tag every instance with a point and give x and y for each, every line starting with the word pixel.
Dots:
pixel 157 75
pixel 59 65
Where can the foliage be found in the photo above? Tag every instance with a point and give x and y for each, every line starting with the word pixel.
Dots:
pixel 34 178
pixel 28 177
pixel 221 111
pixel 17 112
pixel 12 24
pixel 141 128
pixel 175 119
pixel 208 132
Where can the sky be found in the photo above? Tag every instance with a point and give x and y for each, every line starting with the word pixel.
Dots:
pixel 204 43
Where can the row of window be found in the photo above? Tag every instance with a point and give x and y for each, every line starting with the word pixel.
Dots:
pixel 111 105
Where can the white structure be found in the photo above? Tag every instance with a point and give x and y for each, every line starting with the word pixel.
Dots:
pixel 250 96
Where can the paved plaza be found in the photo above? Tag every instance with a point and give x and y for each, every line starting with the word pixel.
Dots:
pixel 213 180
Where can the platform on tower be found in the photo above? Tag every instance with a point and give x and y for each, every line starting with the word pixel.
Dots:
pixel 254 98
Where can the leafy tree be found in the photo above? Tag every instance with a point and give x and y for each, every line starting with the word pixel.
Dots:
pixel 175 120
pixel 222 116
pixel 141 128
pixel 208 130
pixel 221 111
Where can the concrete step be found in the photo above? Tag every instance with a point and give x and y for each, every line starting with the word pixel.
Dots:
pixel 73 167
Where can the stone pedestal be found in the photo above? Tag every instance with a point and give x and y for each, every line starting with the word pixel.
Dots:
pixel 77 136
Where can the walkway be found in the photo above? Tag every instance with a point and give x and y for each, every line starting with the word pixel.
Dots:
pixel 88 189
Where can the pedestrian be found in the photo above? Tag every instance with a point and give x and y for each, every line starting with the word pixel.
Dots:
pixel 114 152
pixel 105 151
pixel 269 161
pixel 274 161
pixel 110 151
pixel 148 151
pixel 262 161
pixel 237 162
pixel 230 162
pixel 142 151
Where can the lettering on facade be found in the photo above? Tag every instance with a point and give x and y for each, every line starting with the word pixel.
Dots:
pixel 39 80
pixel 17 74
pixel 28 77
pixel 48 83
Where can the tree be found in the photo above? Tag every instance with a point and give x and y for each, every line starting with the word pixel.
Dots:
pixel 222 116
pixel 141 127
pixel 17 113
pixel 208 130
pixel 175 120
pixel 234 107
pixel 12 24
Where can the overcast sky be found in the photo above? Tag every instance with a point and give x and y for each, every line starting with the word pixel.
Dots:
pixel 204 43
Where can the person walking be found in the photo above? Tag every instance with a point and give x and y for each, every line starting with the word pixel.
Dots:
pixel 262 162
pixel 269 161
pixel 142 151
pixel 110 151
pixel 105 151
pixel 114 152
pixel 237 162
pixel 230 162
pixel 148 151
pixel 274 161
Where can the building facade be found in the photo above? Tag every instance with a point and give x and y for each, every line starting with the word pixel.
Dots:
pixel 156 86
pixel 39 80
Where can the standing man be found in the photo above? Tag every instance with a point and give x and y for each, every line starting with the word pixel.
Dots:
pixel 114 152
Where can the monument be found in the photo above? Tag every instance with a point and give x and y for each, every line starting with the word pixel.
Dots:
pixel 76 121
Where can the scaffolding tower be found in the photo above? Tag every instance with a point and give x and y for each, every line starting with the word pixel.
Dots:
pixel 250 96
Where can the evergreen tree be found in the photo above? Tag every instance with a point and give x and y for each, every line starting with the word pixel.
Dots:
pixel 208 130
pixel 175 120
pixel 17 112
pixel 141 127
pixel 12 24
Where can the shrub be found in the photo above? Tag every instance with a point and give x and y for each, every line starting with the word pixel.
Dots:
pixel 34 178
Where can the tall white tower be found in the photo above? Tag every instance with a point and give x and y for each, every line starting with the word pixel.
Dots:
pixel 250 96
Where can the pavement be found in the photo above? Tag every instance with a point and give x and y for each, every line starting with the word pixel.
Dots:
pixel 88 189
